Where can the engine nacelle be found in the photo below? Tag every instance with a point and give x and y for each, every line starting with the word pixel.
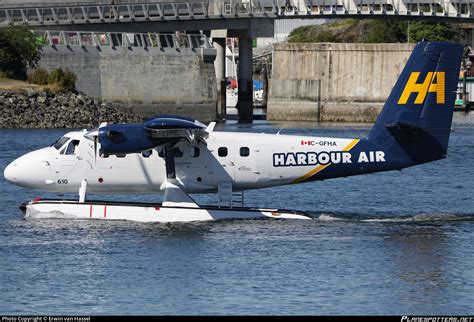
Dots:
pixel 127 138
pixel 136 138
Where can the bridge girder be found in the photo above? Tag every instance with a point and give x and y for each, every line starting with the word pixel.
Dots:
pixel 232 15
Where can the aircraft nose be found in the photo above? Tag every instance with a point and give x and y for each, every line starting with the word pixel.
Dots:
pixel 11 172
pixel 28 170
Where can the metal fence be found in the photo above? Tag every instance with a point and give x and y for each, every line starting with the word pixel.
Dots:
pixel 111 39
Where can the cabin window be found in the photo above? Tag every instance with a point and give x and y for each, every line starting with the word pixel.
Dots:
pixel 222 151
pixel 60 142
pixel 121 155
pixel 177 152
pixel 146 154
pixel 161 152
pixel 244 151
pixel 102 154
pixel 194 152
pixel 71 148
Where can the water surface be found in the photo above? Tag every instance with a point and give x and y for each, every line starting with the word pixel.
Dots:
pixel 388 243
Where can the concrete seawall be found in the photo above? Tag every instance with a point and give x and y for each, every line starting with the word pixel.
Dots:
pixel 332 81
pixel 144 81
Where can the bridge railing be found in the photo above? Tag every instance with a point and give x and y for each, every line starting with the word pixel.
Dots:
pixel 440 8
pixel 231 9
pixel 114 39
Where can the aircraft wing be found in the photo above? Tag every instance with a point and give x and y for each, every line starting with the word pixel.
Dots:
pixel 176 127
pixel 157 131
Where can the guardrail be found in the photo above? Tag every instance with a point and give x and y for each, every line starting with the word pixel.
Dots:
pixel 114 39
pixel 278 9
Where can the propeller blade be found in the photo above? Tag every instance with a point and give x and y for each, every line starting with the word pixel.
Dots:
pixel 95 149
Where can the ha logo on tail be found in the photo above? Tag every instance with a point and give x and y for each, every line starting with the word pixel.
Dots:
pixel 433 83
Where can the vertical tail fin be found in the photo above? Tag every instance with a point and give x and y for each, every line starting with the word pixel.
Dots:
pixel 417 115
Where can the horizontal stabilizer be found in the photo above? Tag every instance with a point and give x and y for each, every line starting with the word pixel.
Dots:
pixel 418 143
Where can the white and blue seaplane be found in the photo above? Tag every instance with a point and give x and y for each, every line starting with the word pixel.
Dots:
pixel 179 156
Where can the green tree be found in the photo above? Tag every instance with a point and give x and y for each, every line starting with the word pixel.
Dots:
pixel 18 50
pixel 351 30
pixel 377 31
pixel 337 31
pixel 433 31
pixel 384 31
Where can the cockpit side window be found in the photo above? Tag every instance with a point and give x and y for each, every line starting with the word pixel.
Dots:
pixel 194 152
pixel 146 154
pixel 71 148
pixel 177 152
pixel 60 142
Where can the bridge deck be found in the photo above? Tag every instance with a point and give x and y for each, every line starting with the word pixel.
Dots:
pixel 274 9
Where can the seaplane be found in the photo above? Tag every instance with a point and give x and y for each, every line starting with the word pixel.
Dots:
pixel 177 156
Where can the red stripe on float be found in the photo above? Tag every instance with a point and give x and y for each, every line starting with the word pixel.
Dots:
pixel 105 211
pixel 157 208
pixel 90 212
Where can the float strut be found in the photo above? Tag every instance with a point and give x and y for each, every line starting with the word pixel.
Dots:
pixel 83 191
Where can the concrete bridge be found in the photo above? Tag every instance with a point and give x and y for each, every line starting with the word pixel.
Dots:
pixel 208 15
pixel 244 19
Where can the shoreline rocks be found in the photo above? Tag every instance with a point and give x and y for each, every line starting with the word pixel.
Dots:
pixel 31 109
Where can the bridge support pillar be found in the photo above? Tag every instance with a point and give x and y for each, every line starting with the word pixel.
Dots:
pixel 245 90
pixel 219 65
pixel 472 37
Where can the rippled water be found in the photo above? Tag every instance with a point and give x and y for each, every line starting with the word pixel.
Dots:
pixel 388 243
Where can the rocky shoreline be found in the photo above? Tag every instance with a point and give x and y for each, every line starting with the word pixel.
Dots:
pixel 31 109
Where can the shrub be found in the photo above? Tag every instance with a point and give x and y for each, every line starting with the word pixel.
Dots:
pixel 63 80
pixel 60 80
pixel 55 76
pixel 39 76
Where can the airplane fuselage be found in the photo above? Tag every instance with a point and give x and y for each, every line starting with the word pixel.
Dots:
pixel 247 160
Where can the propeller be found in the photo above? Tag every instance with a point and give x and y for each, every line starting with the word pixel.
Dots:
pixel 93 135
pixel 95 148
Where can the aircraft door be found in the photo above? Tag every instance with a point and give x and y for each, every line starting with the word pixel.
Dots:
pixel 223 162
pixel 197 165
pixel 248 165
pixel 69 157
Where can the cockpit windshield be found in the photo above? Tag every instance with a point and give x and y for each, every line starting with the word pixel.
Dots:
pixel 59 143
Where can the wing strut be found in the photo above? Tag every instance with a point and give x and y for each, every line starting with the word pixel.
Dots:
pixel 174 195
pixel 169 160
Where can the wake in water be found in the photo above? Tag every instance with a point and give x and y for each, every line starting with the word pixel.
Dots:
pixel 439 217
pixel 48 215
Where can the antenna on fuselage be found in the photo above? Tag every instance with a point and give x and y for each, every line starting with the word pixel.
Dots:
pixel 278 133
